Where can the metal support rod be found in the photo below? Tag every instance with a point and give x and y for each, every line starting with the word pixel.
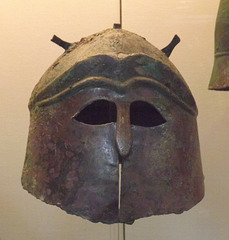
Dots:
pixel 117 231
pixel 122 231
pixel 119 25
pixel 120 4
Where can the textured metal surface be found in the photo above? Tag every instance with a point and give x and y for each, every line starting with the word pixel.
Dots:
pixel 73 162
pixel 162 173
pixel 220 73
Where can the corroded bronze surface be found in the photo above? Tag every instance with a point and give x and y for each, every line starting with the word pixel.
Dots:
pixel 220 73
pixel 113 99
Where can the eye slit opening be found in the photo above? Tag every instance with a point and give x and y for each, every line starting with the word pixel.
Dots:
pixel 97 113
pixel 145 115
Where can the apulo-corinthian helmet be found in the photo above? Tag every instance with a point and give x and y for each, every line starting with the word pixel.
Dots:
pixel 113 100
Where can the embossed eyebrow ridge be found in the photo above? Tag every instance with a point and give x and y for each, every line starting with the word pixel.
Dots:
pixel 119 87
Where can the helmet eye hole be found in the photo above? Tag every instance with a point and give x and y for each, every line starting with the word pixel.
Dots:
pixel 102 111
pixel 97 113
pixel 145 115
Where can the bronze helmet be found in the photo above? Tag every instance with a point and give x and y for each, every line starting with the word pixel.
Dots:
pixel 113 100
pixel 220 72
